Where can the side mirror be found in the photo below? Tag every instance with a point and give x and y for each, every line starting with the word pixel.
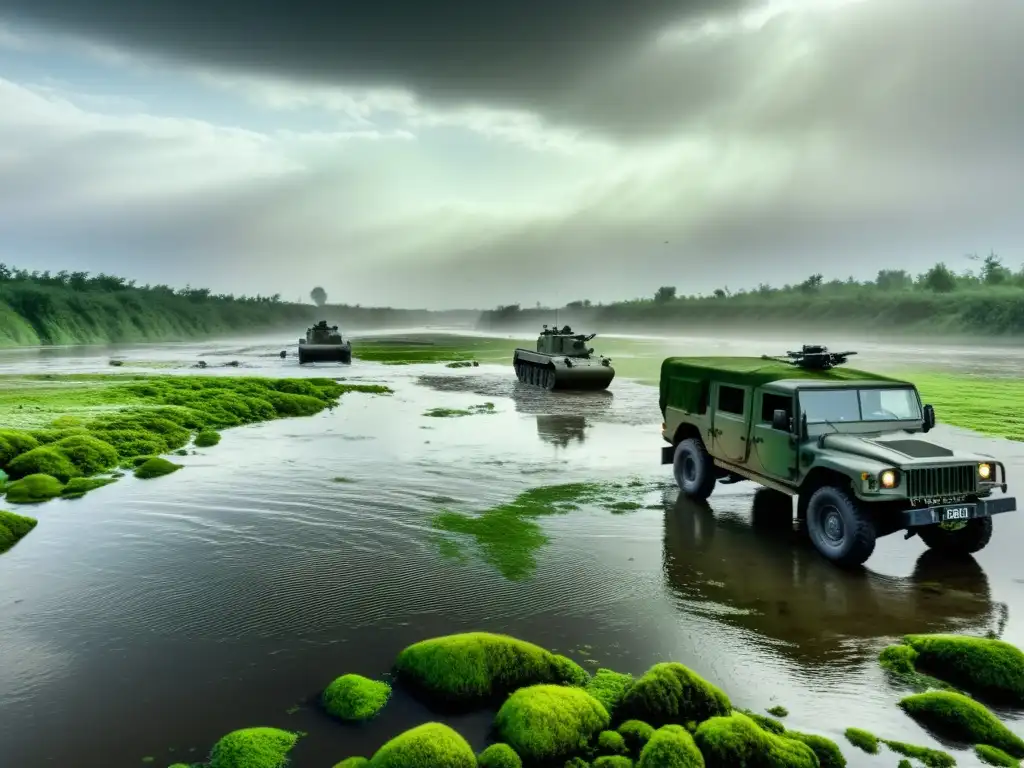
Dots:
pixel 929 418
pixel 780 420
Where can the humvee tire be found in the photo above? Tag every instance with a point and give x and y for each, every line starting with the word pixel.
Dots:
pixel 972 536
pixel 693 468
pixel 838 527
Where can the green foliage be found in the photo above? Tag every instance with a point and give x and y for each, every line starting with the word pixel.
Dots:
pixel 13 528
pixel 960 718
pixel 425 746
pixel 671 746
pixel 609 687
pixel 995 756
pixel 547 722
pixel 354 697
pixel 253 748
pixel 499 756
pixel 478 666
pixel 672 693
pixel 207 438
pixel 986 667
pixel 33 489
pixel 155 467
pixel 735 740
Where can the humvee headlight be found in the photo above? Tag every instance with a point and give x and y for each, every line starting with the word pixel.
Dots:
pixel 984 471
pixel 888 479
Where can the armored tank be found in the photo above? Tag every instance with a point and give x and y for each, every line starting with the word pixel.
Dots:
pixel 323 344
pixel 563 361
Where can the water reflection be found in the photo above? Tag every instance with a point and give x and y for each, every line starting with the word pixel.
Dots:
pixel 762 575
pixel 561 429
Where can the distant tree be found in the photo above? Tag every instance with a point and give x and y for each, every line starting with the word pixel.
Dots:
pixel 665 294
pixel 892 279
pixel 812 283
pixel 719 293
pixel 319 296
pixel 993 272
pixel 939 279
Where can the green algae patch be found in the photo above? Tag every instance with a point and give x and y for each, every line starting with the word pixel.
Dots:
pixel 353 762
pixel 508 536
pixel 253 748
pixel 766 722
pixel 13 528
pixel 77 487
pixel 828 752
pixel 636 733
pixel 478 666
pixel 14 442
pixel 207 438
pixel 671 746
pixel 548 722
pixel 499 756
pixel 995 756
pixel 155 467
pixel 434 348
pixel 899 660
pixel 672 693
pixel 989 668
pixel 612 761
pixel 777 711
pixel 960 718
pixel 449 413
pixel 355 698
pixel 862 740
pixel 611 743
pixel 736 740
pixel 34 489
pixel 45 460
pixel 933 758
pixel 426 746
pixel 609 687
pixel 988 404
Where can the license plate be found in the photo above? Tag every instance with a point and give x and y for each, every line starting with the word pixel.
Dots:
pixel 952 514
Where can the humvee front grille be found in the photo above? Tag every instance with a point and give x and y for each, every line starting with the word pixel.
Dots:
pixel 941 481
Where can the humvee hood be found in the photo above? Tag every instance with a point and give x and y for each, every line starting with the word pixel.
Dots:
pixel 895 450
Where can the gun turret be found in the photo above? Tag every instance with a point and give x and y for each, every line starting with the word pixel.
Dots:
pixel 812 357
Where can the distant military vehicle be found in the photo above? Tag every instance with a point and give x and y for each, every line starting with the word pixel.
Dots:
pixel 323 344
pixel 842 441
pixel 563 361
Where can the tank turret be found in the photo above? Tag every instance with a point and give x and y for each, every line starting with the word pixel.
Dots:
pixel 812 357
pixel 324 343
pixel 563 360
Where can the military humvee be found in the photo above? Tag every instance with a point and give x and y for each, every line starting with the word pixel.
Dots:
pixel 844 442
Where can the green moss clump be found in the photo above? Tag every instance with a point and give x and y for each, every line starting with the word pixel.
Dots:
pixel 989 668
pixel 960 718
pixel 899 660
pixel 207 438
pixel 671 746
pixel 548 722
pixel 609 688
pixel 611 743
pixel 13 528
pixel 14 442
pixel 735 740
pixel 612 761
pixel 904 764
pixel 253 748
pixel 475 666
pixel 862 740
pixel 995 756
pixel 89 454
pixel 354 697
pixel 933 758
pixel 499 756
pixel 156 466
pixel 828 752
pixel 353 762
pixel 636 733
pixel 45 460
pixel 34 489
pixel 425 746
pixel 671 693
pixel 767 723
pixel 777 711
pixel 79 486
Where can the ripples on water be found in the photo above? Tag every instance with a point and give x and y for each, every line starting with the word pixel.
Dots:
pixel 159 614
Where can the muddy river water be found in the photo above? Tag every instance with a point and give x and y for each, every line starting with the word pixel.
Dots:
pixel 149 618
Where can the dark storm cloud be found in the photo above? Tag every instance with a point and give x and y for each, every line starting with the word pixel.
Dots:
pixel 525 53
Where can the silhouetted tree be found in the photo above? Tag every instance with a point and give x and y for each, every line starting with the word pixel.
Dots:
pixel 939 279
pixel 665 294
pixel 319 296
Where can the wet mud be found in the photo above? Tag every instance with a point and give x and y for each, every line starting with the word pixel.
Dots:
pixel 149 619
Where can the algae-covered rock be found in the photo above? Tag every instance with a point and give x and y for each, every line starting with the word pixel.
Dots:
pixel 766 722
pixel 479 665
pixel 932 758
pixel 13 528
pixel 777 711
pixel 353 762
pixel 499 756
pixel 609 687
pixel 34 489
pixel 253 748
pixel 612 761
pixel 671 693
pixel 207 438
pixel 611 743
pixel 156 467
pixel 736 740
pixel 993 669
pixel 862 740
pixel 426 746
pixel 636 733
pixel 89 454
pixel 547 722
pixel 671 746
pixel 45 460
pixel 960 718
pixel 898 659
pixel 14 442
pixel 995 756
pixel 828 752
pixel 79 486
pixel 354 697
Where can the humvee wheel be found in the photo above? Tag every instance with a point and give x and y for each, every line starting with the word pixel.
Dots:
pixel 693 468
pixel 964 539
pixel 839 529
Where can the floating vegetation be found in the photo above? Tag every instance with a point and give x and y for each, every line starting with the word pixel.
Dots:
pixel 449 413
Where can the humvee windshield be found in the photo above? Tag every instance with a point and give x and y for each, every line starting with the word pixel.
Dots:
pixel 892 404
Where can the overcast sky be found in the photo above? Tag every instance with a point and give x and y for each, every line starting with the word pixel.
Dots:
pixel 459 153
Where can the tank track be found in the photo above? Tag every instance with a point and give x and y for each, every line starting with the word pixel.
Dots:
pixel 334 356
pixel 536 374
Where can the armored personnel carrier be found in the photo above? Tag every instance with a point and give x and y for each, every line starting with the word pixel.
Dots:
pixel 323 344
pixel 563 361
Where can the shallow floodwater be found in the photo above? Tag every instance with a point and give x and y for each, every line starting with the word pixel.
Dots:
pixel 151 617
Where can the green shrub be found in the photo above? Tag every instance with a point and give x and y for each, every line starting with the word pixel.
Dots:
pixel 426 746
pixel 548 722
pixel 960 718
pixel 253 748
pixel 671 693
pixel 354 697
